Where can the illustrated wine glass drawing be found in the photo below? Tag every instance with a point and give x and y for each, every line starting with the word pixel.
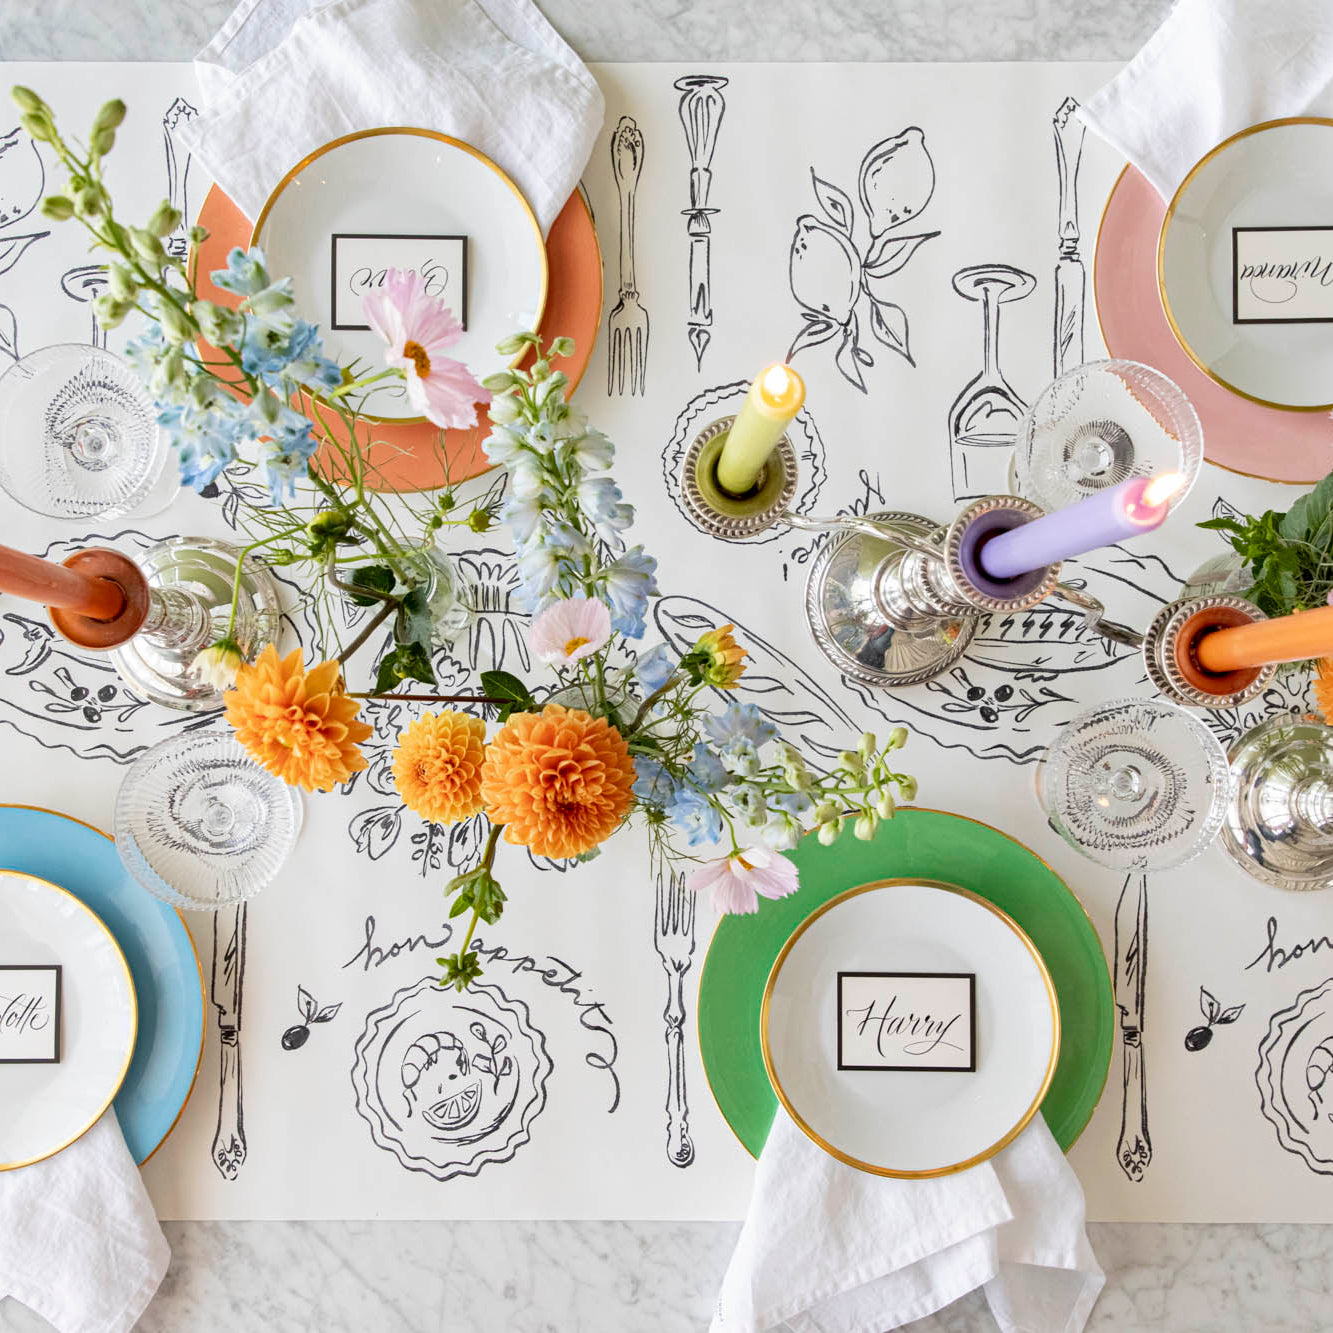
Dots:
pixel 78 434
pixel 200 825
pixel 1135 784
pixel 1279 821
pixel 984 418
pixel 1100 424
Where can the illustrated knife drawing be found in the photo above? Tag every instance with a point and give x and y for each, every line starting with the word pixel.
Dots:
pixel 1071 279
pixel 1134 1148
pixel 702 107
pixel 228 981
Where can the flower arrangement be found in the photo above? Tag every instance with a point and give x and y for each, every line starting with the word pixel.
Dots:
pixel 618 733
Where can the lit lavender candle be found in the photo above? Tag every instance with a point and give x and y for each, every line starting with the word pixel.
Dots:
pixel 1134 507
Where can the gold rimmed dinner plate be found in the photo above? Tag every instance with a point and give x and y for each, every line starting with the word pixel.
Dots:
pixel 1245 264
pixel 910 1028
pixel 389 192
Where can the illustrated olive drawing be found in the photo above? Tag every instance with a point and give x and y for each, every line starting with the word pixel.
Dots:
pixel 1197 1038
pixel 298 1034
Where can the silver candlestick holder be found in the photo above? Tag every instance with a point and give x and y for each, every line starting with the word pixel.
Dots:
pixel 894 598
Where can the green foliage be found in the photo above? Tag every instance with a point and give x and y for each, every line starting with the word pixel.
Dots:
pixel 517 696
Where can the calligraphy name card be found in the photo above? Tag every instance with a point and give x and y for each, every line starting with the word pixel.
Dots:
pixel 907 1020
pixel 29 1015
pixel 1282 275
pixel 361 262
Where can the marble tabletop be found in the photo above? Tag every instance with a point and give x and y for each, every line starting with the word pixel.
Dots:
pixel 589 1276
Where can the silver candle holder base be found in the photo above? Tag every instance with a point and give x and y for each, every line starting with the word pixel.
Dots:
pixel 1169 649
pixel 733 518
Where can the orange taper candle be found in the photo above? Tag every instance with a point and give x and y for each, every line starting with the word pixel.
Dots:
pixel 1290 638
pixel 56 585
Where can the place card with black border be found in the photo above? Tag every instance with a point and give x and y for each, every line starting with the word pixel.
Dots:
pixel 907 1020
pixel 1282 275
pixel 359 261
pixel 29 1014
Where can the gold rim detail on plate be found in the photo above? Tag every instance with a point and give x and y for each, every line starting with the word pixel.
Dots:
pixel 1161 264
pixel 194 949
pixel 1010 1135
pixel 439 138
pixel 134 1017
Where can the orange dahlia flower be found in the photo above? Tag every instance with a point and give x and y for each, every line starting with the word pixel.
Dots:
pixel 1323 688
pixel 437 766
pixel 298 724
pixel 558 780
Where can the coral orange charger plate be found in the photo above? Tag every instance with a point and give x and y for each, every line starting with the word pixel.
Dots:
pixel 416 455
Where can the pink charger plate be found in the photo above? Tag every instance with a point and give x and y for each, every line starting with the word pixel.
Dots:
pixel 1238 435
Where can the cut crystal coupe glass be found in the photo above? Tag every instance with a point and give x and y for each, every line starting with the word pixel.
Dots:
pixel 79 436
pixel 1135 784
pixel 1101 424
pixel 200 825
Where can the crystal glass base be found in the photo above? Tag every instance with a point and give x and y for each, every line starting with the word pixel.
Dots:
pixel 204 568
pixel 78 434
pixel 1279 821
pixel 849 625
pixel 200 825
pixel 1135 784
pixel 1101 424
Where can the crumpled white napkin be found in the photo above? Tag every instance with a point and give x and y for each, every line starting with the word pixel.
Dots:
pixel 1213 68
pixel 829 1249
pixel 284 77
pixel 80 1243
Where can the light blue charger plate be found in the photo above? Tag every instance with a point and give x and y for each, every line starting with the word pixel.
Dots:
pixel 168 980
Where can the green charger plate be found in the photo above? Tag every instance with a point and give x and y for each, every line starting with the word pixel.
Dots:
pixel 933 845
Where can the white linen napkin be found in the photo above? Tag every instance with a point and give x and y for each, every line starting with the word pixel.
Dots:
pixel 284 77
pixel 1213 68
pixel 80 1243
pixel 829 1249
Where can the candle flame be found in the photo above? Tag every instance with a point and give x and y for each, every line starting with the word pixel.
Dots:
pixel 1160 489
pixel 776 380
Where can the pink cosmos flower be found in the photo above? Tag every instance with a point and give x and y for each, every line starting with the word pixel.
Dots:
pixel 418 328
pixel 738 882
pixel 569 630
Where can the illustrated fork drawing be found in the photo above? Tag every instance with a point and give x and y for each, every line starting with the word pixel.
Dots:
pixel 673 938
pixel 627 326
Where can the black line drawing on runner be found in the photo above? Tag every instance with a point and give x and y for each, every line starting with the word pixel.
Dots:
pixel 984 418
pixel 627 324
pixel 448 1081
pixel 22 184
pixel 84 284
pixel 229 1147
pixel 701 109
pixel 1197 1038
pixel 1134 1147
pixel 830 274
pixel 9 333
pixel 1071 279
pixel 673 938
pixel 1293 1077
pixel 311 1012
pixel 725 400
pixel 179 161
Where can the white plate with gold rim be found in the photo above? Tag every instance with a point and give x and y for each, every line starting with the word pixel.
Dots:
pixel 915 1087
pixel 45 1107
pixel 1245 264
pixel 412 189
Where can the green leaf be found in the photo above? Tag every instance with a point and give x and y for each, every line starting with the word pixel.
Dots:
pixel 1310 514
pixel 502 685
pixel 378 578
pixel 460 970
pixel 408 661
pixel 413 625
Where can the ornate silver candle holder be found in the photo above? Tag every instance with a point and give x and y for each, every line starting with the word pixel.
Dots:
pixel 1170 652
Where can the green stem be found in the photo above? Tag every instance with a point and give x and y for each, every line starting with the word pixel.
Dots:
pixel 371 626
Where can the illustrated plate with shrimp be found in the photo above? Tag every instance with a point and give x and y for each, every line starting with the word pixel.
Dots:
pixel 1295 1077
pixel 449 1082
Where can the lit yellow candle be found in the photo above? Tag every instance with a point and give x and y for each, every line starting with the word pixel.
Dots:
pixel 774 399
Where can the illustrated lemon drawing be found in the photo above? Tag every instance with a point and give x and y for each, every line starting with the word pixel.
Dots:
pixel 825 269
pixel 21 176
pixel 897 180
